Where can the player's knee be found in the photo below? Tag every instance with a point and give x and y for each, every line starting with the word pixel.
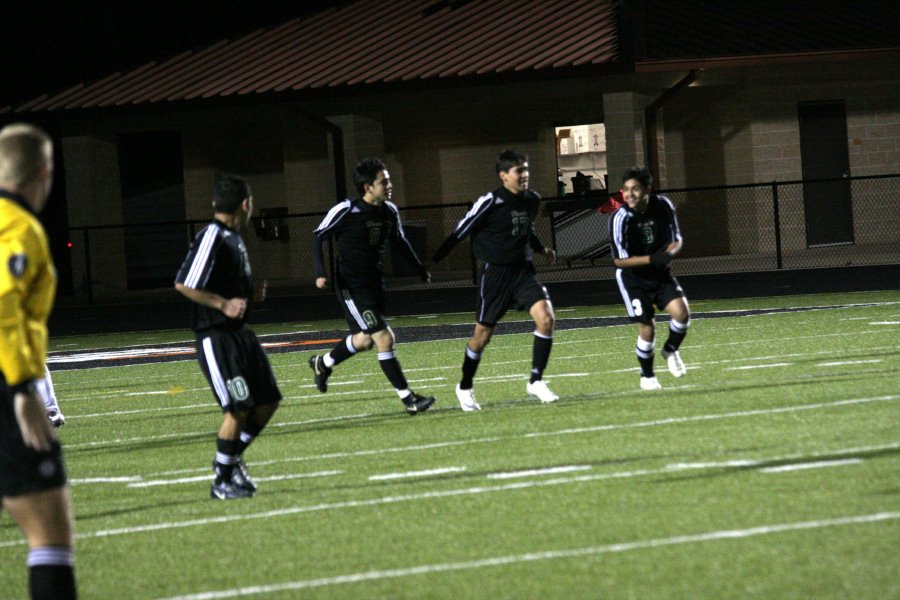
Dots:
pixel 545 322
pixel 383 340
pixel 479 341
pixel 363 342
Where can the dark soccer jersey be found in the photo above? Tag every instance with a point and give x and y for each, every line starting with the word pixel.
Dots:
pixel 639 234
pixel 502 228
pixel 217 262
pixel 362 232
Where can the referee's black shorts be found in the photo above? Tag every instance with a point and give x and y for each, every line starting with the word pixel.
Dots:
pixel 237 369
pixel 641 294
pixel 504 286
pixel 24 470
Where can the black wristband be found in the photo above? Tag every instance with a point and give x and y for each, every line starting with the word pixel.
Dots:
pixel 660 259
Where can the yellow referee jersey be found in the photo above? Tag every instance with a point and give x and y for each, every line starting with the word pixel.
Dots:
pixel 27 289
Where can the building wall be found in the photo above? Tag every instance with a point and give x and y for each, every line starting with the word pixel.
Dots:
pixel 738 126
pixel 745 129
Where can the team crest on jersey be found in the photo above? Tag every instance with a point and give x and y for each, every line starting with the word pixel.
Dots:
pixel 17 264
pixel 374 232
pixel 647 232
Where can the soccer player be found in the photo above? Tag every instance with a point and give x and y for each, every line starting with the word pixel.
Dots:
pixel 501 224
pixel 216 276
pixel 48 395
pixel 644 237
pixel 33 483
pixel 362 227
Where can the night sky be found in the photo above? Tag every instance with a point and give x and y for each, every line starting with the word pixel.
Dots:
pixel 47 47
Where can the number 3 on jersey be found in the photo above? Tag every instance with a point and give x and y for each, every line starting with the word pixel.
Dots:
pixel 638 307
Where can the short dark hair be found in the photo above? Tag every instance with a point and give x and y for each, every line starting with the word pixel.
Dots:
pixel 230 192
pixel 642 174
pixel 366 172
pixel 509 159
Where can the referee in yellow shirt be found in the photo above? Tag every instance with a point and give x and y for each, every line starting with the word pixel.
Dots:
pixel 33 486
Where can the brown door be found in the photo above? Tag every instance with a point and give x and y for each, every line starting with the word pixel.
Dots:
pixel 823 155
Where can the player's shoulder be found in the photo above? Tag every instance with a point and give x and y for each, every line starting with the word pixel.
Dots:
pixel 485 200
pixel 621 213
pixel 22 237
pixel 532 195
pixel 390 206
pixel 665 201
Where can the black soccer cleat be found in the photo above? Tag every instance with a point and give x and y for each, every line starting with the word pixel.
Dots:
pixel 228 490
pixel 416 404
pixel 241 476
pixel 320 372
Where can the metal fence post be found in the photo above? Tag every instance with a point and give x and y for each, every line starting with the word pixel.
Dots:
pixel 778 260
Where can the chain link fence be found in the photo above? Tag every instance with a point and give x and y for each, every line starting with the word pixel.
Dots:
pixel 727 229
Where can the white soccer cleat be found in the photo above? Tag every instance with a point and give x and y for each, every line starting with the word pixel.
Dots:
pixel 467 399
pixel 540 389
pixel 650 383
pixel 676 366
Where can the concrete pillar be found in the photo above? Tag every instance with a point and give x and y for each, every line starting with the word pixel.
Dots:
pixel 624 119
pixel 363 137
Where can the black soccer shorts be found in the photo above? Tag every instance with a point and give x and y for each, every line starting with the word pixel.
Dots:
pixel 504 286
pixel 24 470
pixel 363 308
pixel 237 369
pixel 641 295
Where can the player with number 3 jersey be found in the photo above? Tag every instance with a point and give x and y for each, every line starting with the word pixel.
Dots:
pixel 645 237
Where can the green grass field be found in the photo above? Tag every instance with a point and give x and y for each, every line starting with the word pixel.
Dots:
pixel 770 471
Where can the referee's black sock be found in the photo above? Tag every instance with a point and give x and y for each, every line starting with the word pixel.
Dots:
pixel 677 332
pixel 644 351
pixel 340 353
pixel 226 457
pixel 470 365
pixel 540 355
pixel 51 573
pixel 391 368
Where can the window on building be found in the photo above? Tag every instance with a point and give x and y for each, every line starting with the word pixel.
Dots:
pixel 581 157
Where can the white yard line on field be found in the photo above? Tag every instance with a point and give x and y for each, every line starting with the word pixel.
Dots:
pixel 428 495
pixel 159 482
pixel 714 416
pixel 533 472
pixel 408 474
pixel 811 465
pixel 82 480
pixel 542 555
pixel 604 427
pixel 839 363
pixel 769 366
pixel 205 405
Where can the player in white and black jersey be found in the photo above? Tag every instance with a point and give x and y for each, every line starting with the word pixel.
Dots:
pixel 362 228
pixel 216 276
pixel 645 236
pixel 501 225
